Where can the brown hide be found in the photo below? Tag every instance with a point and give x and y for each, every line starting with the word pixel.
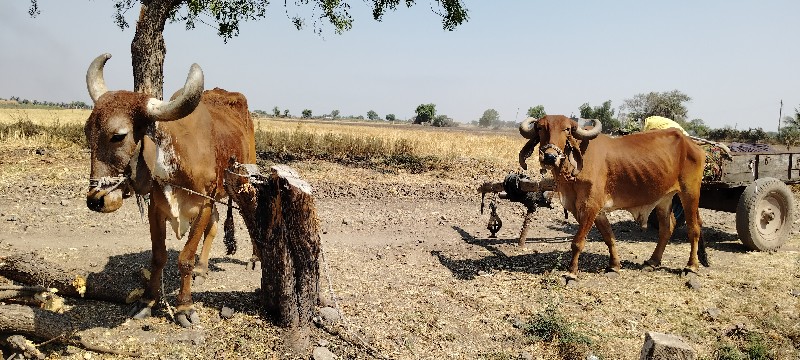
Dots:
pixel 639 173
pixel 167 159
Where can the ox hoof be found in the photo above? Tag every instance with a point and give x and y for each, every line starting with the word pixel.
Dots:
pixel 187 318
pixel 650 266
pixel 140 310
pixel 689 272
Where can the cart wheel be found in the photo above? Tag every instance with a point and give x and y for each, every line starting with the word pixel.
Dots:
pixel 765 214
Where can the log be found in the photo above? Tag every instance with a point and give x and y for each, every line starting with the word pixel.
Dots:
pixel 29 268
pixel 43 324
pixel 281 217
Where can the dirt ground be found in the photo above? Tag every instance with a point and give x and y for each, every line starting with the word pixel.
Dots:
pixel 408 260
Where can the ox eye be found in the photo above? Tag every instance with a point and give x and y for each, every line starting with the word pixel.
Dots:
pixel 118 137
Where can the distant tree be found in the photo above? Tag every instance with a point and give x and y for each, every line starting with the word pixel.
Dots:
pixel 443 121
pixel 726 133
pixel 286 113
pixel 697 127
pixel 490 117
pixel 372 115
pixel 667 104
pixel 276 112
pixel 335 114
pixel 306 113
pixel 789 136
pixel 536 112
pixel 425 113
pixel 390 117
pixel 604 113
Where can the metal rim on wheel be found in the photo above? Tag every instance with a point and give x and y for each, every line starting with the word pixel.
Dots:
pixel 771 212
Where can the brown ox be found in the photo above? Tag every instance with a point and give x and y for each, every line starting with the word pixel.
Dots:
pixel 175 151
pixel 595 174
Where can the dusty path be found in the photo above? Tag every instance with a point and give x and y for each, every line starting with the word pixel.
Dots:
pixel 415 275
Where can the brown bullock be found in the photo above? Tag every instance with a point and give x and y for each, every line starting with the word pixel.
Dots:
pixel 595 174
pixel 175 151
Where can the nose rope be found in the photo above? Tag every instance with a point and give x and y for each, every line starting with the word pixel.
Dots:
pixel 102 183
pixel 559 153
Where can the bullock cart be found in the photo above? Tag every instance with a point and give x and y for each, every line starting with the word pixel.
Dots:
pixel 753 185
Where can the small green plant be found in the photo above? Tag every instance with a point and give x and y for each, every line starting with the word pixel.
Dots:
pixel 743 345
pixel 551 327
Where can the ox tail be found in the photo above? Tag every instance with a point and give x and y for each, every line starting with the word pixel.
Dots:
pixel 701 251
pixel 229 239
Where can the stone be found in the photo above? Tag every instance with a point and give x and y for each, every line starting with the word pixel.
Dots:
pixel 321 353
pixel 65 202
pixel 795 293
pixel 329 315
pixel 713 313
pixel 659 346
pixel 525 356
pixel 694 283
pixel 226 312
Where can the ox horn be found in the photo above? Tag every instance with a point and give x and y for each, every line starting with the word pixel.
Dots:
pixel 183 104
pixel 94 77
pixel 528 128
pixel 592 133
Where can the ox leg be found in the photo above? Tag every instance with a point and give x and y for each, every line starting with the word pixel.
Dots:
pixel 666 224
pixel 152 292
pixel 200 272
pixel 584 225
pixel 604 226
pixel 693 225
pixel 185 313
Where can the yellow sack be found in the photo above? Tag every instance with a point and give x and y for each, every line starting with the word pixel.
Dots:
pixel 660 123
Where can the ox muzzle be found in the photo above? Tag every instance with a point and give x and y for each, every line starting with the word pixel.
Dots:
pixel 550 155
pixel 107 193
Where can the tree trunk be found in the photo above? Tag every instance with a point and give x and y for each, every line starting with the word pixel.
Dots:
pixel 29 268
pixel 281 217
pixel 148 49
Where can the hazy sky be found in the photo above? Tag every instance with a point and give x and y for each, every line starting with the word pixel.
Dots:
pixel 736 59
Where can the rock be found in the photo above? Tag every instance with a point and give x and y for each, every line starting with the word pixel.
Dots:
pixel 795 293
pixel 665 347
pixel 321 353
pixel 12 217
pixel 329 315
pixel 525 356
pixel 41 151
pixel 323 343
pixel 226 312
pixel 694 283
pixel 65 202
pixel 713 313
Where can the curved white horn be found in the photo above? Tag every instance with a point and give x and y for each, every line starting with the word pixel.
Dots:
pixel 592 133
pixel 184 103
pixel 94 77
pixel 528 128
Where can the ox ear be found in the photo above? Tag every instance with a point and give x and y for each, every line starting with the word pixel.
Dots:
pixel 526 152
pixel 184 103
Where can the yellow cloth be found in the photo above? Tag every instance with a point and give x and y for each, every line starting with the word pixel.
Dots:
pixel 660 123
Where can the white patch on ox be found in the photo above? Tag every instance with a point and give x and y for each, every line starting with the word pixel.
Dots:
pixel 180 225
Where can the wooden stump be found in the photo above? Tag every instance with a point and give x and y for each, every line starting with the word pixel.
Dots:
pixel 281 218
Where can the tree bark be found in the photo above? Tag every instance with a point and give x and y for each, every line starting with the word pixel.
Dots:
pixel 148 49
pixel 281 217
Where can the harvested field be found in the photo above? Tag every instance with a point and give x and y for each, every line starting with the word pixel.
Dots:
pixel 409 263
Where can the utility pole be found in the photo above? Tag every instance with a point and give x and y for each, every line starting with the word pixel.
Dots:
pixel 780 114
